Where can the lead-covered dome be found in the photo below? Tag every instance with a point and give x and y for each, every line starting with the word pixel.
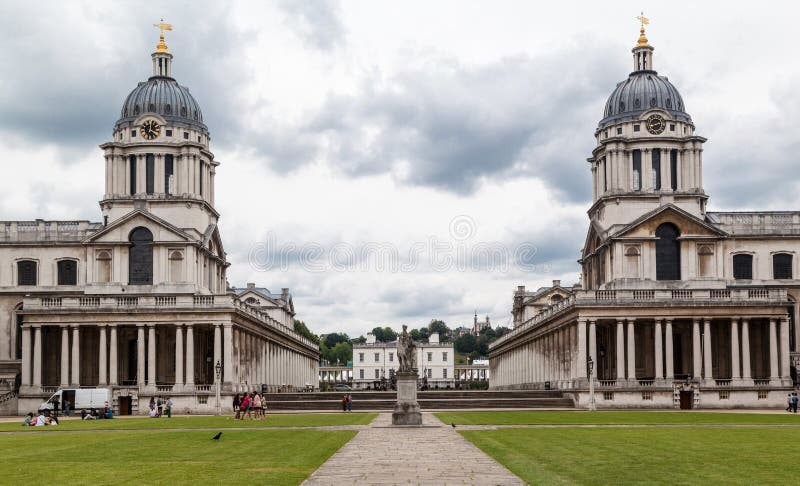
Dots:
pixel 163 95
pixel 642 91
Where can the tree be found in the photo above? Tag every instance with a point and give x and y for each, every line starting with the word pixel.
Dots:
pixel 415 335
pixel 342 352
pixel 300 328
pixel 359 340
pixel 439 327
pixel 389 335
pixel 465 344
pixel 335 338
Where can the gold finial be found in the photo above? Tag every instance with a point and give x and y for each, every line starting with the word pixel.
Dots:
pixel 642 38
pixel 162 46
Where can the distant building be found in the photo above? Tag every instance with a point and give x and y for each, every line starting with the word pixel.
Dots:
pixel 478 326
pixel 374 360
pixel 527 304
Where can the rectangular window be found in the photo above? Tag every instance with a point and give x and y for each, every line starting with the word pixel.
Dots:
pixel 444 372
pixel 608 396
pixel 637 170
pixel 377 373
pixel 782 266
pixel 168 172
pixel 168 133
pixel 186 135
pixel 132 160
pixel 637 127
pixel 430 356
pixel 444 357
pixel 656 164
pixel 360 357
pixel 619 130
pixel 26 272
pixel 671 127
pixel 743 267
pixel 391 357
pixel 201 177
pixel 67 272
pixel 430 373
pixel 150 173
pixel 377 357
pixel 133 133
pixel 361 374
pixel 605 175
pixel 673 169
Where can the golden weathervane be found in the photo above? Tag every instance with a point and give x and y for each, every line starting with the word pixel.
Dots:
pixel 642 38
pixel 162 46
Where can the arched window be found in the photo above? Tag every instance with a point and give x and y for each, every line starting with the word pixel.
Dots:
pixel 26 272
pixel 668 252
pixel 140 259
pixel 782 266
pixel 104 266
pixel 175 266
pixel 18 318
pixel 67 272
pixel 556 299
pixel 251 301
pixel 705 260
pixel 743 266
pixel 632 254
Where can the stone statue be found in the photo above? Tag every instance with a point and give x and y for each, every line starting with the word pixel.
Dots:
pixel 406 352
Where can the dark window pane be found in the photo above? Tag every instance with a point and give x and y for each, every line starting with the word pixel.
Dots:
pixel 673 169
pixel 168 170
pixel 637 170
pixel 201 177
pixel 140 258
pixel 656 169
pixel 668 253
pixel 743 267
pixel 150 173
pixel 67 272
pixel 132 177
pixel 26 272
pixel 782 266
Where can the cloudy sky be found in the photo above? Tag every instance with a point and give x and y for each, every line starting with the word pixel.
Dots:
pixel 394 162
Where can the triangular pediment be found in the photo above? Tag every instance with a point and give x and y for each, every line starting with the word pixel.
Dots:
pixel 688 224
pixel 120 229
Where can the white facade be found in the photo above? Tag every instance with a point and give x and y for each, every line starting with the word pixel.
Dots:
pixel 373 361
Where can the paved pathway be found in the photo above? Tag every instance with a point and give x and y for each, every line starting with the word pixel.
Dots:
pixel 434 454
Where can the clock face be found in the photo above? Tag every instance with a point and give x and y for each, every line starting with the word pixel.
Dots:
pixel 150 129
pixel 655 124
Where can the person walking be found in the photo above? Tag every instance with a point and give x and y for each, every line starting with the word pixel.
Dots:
pixel 349 402
pixel 257 405
pixel 789 403
pixel 160 406
pixel 237 402
pixel 794 402
pixel 169 407
pixel 246 406
pixel 344 403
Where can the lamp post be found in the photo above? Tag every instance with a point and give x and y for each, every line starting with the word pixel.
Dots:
pixel 590 369
pixel 218 371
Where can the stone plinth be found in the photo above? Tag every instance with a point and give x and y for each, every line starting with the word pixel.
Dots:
pixel 406 411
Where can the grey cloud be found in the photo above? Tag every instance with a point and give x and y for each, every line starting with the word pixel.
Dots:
pixel 317 22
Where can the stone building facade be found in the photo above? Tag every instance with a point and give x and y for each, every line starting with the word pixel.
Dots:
pixel 679 306
pixel 139 302
pixel 373 361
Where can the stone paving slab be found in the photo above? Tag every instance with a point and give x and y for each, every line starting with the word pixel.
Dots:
pixel 432 455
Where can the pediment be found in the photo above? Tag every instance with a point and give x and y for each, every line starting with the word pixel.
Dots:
pixel 688 225
pixel 119 230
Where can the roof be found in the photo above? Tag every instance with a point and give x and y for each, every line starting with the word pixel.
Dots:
pixel 643 91
pixel 163 96
pixel 756 223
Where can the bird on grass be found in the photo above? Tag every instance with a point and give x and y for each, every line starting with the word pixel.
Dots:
pixel 216 437
pixel 453 424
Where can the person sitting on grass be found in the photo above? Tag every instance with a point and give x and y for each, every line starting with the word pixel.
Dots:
pixel 109 413
pixel 50 419
pixel 41 421
pixel 29 421
pixel 153 411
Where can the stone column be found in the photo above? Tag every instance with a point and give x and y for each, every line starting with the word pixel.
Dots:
pixel 140 355
pixel 151 355
pixel 708 373
pixel 102 357
pixel 784 354
pixel 747 380
pixel 593 343
pixel 631 352
pixel 189 357
pixel 26 355
pixel 37 355
pixel 735 375
pixel 668 347
pixel 227 336
pixel 580 366
pixel 697 353
pixel 64 356
pixel 659 349
pixel 76 356
pixel 620 349
pixel 179 357
pixel 113 375
pixel 217 348
pixel 773 352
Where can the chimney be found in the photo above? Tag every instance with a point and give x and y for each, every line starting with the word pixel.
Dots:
pixel 556 283
pixel 521 288
pixel 251 285
pixel 434 338
pixel 370 338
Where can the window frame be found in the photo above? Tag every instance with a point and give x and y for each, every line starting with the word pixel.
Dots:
pixel 62 262
pixel 788 254
pixel 741 256
pixel 17 270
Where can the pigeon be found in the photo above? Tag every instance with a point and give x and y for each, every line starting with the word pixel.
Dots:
pixel 216 437
pixel 453 424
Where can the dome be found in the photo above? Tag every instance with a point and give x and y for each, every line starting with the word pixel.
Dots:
pixel 642 91
pixel 163 96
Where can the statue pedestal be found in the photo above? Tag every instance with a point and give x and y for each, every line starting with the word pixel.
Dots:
pixel 406 411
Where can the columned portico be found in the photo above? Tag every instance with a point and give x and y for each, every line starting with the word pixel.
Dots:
pixel 140 356
pixel 631 352
pixel 179 383
pixel 658 358
pixel 669 348
pixel 112 356
pixel 102 357
pixel 76 356
pixel 736 375
pixel 64 356
pixel 746 373
pixel 707 350
pixel 189 357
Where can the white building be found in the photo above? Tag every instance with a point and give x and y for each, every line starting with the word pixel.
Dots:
pixel 139 301
pixel 679 306
pixel 373 361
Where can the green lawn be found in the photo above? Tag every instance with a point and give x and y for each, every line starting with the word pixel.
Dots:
pixel 141 457
pixel 648 455
pixel 613 417
pixel 201 422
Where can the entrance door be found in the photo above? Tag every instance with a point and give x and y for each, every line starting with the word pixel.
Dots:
pixel 125 405
pixel 686 399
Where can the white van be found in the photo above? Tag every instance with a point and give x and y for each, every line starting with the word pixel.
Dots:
pixel 79 398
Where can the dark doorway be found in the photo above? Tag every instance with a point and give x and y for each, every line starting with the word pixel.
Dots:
pixel 686 399
pixel 132 368
pixel 125 405
pixel 677 357
pixel 668 253
pixel 67 400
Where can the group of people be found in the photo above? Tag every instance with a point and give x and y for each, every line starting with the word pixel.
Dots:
pixel 158 406
pixel 791 402
pixel 94 414
pixel 252 405
pixel 45 418
pixel 347 403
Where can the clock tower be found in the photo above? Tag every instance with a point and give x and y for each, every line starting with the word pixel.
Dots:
pixel 647 152
pixel 159 159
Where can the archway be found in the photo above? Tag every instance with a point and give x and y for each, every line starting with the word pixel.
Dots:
pixel 668 252
pixel 140 259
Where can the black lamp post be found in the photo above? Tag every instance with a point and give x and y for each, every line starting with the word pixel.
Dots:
pixel 590 370
pixel 218 373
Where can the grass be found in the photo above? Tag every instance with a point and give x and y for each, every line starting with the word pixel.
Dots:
pixel 613 417
pixel 200 422
pixel 646 455
pixel 145 457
